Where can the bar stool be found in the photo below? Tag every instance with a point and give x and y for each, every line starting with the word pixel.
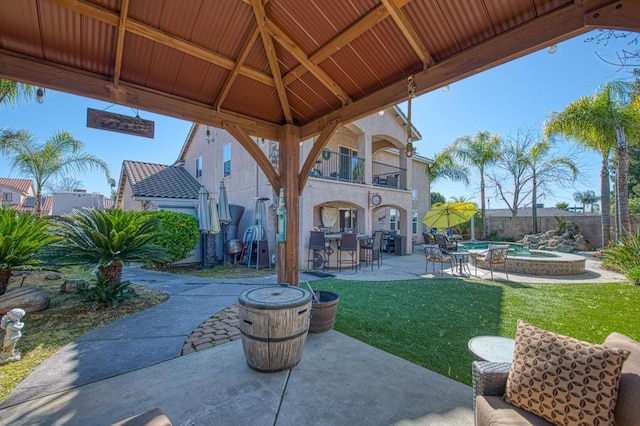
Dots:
pixel 319 250
pixel 348 244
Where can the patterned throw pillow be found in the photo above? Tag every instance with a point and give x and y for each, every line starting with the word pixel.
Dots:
pixel 564 380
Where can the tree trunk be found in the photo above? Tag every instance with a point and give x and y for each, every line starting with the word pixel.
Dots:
pixel 534 207
pixel 605 198
pixel 482 209
pixel 5 276
pixel 112 272
pixel 622 184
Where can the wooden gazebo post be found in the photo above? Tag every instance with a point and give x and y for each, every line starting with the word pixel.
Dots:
pixel 289 162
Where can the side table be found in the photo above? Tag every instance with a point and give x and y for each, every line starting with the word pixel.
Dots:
pixel 492 348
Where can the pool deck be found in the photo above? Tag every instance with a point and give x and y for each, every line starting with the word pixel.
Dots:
pixel 413 266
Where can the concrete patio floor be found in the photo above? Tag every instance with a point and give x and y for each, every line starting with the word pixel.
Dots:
pixel 339 381
pixel 134 364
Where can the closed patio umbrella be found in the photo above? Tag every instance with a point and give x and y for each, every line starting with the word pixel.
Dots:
pixel 449 214
pixel 224 213
pixel 204 218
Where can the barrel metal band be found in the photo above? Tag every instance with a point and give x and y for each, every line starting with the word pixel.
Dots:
pixel 273 339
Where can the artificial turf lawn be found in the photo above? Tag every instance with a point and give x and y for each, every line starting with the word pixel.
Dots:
pixel 429 322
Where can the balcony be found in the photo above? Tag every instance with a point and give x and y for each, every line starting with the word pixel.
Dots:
pixel 333 165
pixel 388 176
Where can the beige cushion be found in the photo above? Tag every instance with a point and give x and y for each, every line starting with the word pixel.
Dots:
pixel 628 406
pixel 562 379
pixel 492 410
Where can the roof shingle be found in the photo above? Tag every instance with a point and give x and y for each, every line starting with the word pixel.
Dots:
pixel 159 180
pixel 21 185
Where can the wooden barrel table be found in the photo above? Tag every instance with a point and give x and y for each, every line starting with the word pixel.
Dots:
pixel 274 322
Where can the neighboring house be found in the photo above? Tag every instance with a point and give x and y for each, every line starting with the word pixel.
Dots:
pixel 363 176
pixel 147 186
pixel 20 195
pixel 66 202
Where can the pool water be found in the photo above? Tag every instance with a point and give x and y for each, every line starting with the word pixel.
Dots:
pixel 515 249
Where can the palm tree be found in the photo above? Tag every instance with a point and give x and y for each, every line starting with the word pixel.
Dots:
pixel 444 166
pixel 61 154
pixel 107 239
pixel 12 92
pixel 602 123
pixel 21 236
pixel 545 170
pixel 479 151
pixel 586 198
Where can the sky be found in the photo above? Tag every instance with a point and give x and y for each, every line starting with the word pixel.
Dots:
pixel 513 96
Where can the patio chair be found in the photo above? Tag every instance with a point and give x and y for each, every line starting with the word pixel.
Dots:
pixel 349 244
pixel 319 251
pixel 428 238
pixel 373 249
pixel 443 242
pixel 494 255
pixel 435 254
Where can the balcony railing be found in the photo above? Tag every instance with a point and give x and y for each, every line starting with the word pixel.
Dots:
pixel 333 165
pixel 336 166
pixel 388 176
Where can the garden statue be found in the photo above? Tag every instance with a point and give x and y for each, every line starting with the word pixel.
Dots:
pixel 12 326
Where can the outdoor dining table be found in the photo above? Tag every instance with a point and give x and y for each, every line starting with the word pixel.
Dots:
pixel 461 258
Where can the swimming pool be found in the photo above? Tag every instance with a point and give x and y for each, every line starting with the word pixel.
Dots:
pixel 531 262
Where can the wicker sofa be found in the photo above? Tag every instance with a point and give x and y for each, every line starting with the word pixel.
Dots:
pixel 490 378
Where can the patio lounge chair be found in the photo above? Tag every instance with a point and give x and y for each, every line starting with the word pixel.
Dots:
pixel 428 238
pixel 445 243
pixel 494 255
pixel 435 254
pixel 490 384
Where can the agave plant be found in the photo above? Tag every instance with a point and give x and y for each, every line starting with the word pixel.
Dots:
pixel 21 236
pixel 108 239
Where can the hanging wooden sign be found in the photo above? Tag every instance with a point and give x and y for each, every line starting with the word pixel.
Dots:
pixel 136 126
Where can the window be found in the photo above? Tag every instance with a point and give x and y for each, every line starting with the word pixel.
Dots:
pixel 348 219
pixel 394 219
pixel 198 167
pixel 226 158
pixel 414 221
pixel 414 194
pixel 7 196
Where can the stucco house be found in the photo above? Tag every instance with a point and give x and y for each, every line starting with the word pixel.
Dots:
pixel 363 177
pixel 149 186
pixel 20 195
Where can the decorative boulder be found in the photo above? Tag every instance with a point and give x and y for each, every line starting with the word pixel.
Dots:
pixel 28 298
pixel 52 276
pixel 70 284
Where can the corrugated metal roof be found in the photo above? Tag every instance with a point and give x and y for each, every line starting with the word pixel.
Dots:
pixel 182 58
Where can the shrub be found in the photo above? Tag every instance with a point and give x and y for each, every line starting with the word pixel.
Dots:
pixel 107 239
pixel 180 233
pixel 623 256
pixel 21 236
pixel 101 294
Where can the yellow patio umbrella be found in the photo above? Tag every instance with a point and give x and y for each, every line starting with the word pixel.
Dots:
pixel 449 214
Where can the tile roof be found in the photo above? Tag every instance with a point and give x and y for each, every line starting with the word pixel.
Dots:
pixel 21 185
pixel 159 180
pixel 28 205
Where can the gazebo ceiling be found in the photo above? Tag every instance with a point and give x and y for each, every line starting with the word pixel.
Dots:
pixel 261 64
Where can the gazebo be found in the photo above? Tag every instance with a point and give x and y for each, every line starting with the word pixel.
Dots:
pixel 285 70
